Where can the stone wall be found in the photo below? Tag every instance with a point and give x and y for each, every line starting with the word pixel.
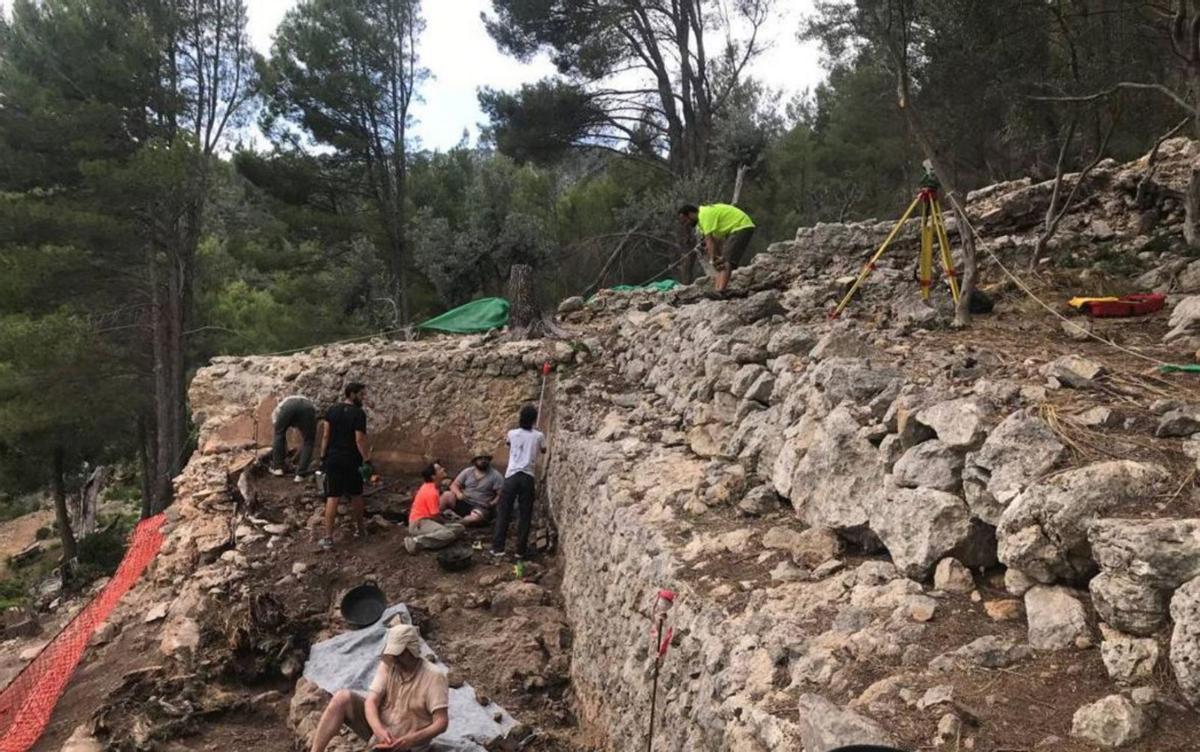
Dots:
pixel 425 400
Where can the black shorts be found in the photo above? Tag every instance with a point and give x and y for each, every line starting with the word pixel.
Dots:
pixel 342 478
pixel 463 508
pixel 734 249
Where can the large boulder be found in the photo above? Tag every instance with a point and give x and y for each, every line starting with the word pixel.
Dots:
pixel 835 484
pixel 1159 553
pixel 1128 605
pixel 1056 618
pixel 1044 531
pixel 932 464
pixel 1020 450
pixel 922 526
pixel 825 726
pixel 853 379
pixel 960 423
pixel 1185 640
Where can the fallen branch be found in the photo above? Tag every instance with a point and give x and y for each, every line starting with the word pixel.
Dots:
pixel 1161 88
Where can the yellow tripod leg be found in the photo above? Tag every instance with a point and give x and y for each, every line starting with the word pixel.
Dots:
pixel 947 258
pixel 870 266
pixel 925 263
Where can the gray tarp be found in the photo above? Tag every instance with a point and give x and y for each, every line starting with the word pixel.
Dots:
pixel 349 660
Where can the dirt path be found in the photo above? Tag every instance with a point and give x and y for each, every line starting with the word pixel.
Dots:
pixel 18 533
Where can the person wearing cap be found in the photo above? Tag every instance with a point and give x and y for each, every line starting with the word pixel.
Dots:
pixel 406 706
pixel 477 489
pixel 429 526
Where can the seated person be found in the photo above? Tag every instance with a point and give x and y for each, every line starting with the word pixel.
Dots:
pixel 477 489
pixel 406 706
pixel 427 526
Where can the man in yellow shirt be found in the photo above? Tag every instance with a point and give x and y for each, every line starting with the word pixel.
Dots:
pixel 727 231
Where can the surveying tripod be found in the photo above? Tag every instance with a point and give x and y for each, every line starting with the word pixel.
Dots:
pixel 933 229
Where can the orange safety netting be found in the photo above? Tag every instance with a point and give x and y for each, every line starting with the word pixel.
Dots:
pixel 27 702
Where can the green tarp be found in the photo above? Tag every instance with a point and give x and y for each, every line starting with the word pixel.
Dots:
pixel 663 285
pixel 476 316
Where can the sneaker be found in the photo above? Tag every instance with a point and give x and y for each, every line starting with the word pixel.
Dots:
pixel 277 472
pixel 496 555
pixel 325 543
pixel 410 544
pixel 298 479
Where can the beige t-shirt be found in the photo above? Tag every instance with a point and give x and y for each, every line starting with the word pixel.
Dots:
pixel 406 706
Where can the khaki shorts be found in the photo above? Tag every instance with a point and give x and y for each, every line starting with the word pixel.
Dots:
pixel 356 719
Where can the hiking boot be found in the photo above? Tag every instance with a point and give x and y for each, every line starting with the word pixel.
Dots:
pixel 325 543
pixel 298 479
pixel 277 472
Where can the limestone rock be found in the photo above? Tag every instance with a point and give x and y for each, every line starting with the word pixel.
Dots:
pixel 1074 371
pixel 513 594
pixel 1019 451
pixel 1044 531
pixel 834 483
pixel 841 343
pixel 180 633
pixel 1183 421
pixel 922 526
pixel 1098 417
pixel 1128 605
pixel 790 340
pixel 1164 553
pixel 825 727
pixel 82 740
pixel 912 311
pixel 1056 618
pixel 959 423
pixel 1185 318
pixel 1006 609
pixel 1128 660
pixel 952 577
pixel 758 501
pixel 761 389
pixel 991 651
pixel 932 464
pixel 852 379
pixel 1111 722
pixel 1017 582
pixel 570 305
pixel 1185 640
pixel 745 377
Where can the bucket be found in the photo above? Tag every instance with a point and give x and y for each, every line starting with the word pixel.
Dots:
pixel 364 605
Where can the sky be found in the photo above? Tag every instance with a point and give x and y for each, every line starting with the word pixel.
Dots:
pixel 462 57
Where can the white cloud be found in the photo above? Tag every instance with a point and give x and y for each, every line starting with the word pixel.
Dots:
pixel 462 57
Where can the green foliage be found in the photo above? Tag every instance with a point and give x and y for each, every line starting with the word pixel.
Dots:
pixel 99 555
pixel 13 593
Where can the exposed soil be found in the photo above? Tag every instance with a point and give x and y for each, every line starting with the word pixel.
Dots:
pixel 233 694
pixel 18 533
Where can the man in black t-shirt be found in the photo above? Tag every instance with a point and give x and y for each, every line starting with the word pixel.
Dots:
pixel 344 453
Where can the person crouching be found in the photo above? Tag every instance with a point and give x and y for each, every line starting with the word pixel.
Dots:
pixel 406 707
pixel 428 527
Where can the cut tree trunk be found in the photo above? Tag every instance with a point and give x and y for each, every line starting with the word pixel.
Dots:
pixel 522 302
pixel 89 497
pixel 61 516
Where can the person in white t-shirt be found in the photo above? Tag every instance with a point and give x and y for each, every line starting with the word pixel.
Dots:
pixel 524 446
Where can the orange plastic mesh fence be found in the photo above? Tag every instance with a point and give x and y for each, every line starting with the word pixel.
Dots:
pixel 28 701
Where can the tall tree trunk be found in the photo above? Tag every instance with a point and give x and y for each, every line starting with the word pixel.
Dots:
pixel 146 453
pixel 522 302
pixel 168 323
pixel 61 516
